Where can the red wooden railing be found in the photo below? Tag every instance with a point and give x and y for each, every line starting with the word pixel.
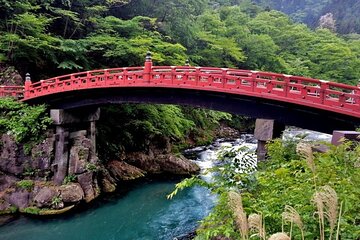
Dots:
pixel 12 91
pixel 330 96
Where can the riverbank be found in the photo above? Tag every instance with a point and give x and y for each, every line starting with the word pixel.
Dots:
pixel 138 210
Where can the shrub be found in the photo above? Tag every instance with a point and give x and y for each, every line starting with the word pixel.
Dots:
pixel 69 178
pixel 25 184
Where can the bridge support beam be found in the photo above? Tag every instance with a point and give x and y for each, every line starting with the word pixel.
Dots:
pixel 64 122
pixel 92 136
pixel 61 154
pixel 265 130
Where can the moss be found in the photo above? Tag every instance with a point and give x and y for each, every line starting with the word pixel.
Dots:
pixel 10 210
pixel 55 212
pixel 69 178
pixel 13 209
pixel 83 154
pixel 25 184
pixel 31 210
pixel 91 167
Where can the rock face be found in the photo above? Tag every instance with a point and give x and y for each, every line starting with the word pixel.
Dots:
pixel 6 181
pixel 164 163
pixel 37 167
pixel 227 132
pixel 159 159
pixel 83 169
pixel 178 165
pixel 71 193
pixel 9 76
pixel 10 160
pixel 45 197
pixel 86 182
pixel 79 153
pixel 14 161
pixel 19 198
pixel 121 171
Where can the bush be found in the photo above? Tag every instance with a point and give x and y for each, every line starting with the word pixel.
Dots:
pixel 26 123
pixel 289 180
pixel 69 178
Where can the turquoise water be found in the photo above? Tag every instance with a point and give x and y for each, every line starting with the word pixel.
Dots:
pixel 142 213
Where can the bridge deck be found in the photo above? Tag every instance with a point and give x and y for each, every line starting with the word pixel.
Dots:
pixel 329 96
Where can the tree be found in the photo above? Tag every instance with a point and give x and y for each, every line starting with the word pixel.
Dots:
pixel 328 21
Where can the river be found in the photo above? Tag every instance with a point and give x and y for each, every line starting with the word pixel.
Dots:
pixel 141 213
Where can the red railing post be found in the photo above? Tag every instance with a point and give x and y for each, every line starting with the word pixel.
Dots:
pixel 324 86
pixel 287 84
pixel 253 80
pixel 2 91
pixel 223 77
pixel 27 86
pixel 357 94
pixel 147 68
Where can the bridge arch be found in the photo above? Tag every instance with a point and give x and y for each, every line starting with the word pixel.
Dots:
pixel 299 101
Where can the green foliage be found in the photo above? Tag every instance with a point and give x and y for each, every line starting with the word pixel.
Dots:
pixel 135 126
pixel 286 179
pixel 25 184
pixel 69 179
pixel 29 172
pixel 25 123
pixel 55 37
pixel 56 200
pixel 13 209
pixel 31 210
pixel 91 167
pixel 219 222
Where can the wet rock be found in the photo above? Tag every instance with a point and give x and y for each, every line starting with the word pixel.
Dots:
pixel 144 162
pixel 227 132
pixel 178 165
pixel 71 193
pixel 86 183
pixel 108 186
pixel 187 236
pixel 45 197
pixel 165 163
pixel 108 183
pixel 46 212
pixel 121 171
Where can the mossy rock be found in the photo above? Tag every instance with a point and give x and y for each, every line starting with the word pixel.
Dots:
pixel 45 212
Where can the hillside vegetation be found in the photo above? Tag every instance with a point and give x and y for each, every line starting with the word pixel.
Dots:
pixel 48 37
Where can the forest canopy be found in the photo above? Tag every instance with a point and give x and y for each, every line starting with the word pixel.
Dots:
pixel 52 37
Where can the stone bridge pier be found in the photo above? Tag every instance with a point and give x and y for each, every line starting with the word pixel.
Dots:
pixel 72 126
pixel 265 130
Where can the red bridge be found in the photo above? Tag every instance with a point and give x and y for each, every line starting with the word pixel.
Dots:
pixel 252 93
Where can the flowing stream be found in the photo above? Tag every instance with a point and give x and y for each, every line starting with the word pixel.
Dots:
pixel 138 214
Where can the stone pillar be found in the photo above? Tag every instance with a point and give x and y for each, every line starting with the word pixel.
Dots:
pixel 265 130
pixel 60 165
pixel 92 136
pixel 339 136
pixel 63 119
